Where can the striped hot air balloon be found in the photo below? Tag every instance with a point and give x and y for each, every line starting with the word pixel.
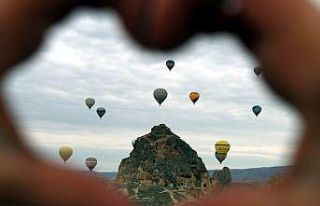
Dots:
pixel 91 163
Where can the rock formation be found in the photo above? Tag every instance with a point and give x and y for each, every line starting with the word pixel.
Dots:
pixel 222 177
pixel 164 159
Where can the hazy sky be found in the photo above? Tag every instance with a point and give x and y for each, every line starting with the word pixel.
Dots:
pixel 89 56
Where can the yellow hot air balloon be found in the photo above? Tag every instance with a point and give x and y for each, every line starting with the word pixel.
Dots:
pixel 194 96
pixel 222 147
pixel 65 152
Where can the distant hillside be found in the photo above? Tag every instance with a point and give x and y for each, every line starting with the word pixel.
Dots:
pixel 261 174
pixel 238 175
pixel 108 175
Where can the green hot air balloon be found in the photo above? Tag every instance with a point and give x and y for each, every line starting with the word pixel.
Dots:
pixel 170 64
pixel 160 95
pixel 256 109
pixel 101 111
pixel 90 102
pixel 91 163
pixel 257 70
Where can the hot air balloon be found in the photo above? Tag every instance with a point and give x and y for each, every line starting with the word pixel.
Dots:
pixel 160 95
pixel 257 70
pixel 194 97
pixel 101 111
pixel 222 148
pixel 91 163
pixel 170 64
pixel 65 152
pixel 90 102
pixel 256 109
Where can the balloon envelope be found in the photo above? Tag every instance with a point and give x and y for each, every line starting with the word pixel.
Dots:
pixel 194 97
pixel 90 102
pixel 101 111
pixel 256 110
pixel 170 64
pixel 160 95
pixel 222 147
pixel 257 70
pixel 65 152
pixel 91 163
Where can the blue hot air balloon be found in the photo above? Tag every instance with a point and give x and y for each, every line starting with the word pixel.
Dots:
pixel 256 109
pixel 170 64
pixel 101 111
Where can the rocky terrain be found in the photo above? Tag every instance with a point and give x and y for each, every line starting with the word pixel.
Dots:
pixel 222 177
pixel 162 169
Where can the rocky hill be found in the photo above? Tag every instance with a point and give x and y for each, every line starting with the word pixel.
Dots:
pixel 161 162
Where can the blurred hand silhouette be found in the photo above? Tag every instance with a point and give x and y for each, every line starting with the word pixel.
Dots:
pixel 283 35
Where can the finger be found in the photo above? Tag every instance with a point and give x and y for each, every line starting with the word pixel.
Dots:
pixel 288 48
pixel 278 31
pixel 23 24
pixel 9 141
pixel 286 36
pixel 157 24
pixel 26 182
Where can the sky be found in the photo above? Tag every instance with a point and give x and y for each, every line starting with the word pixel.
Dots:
pixel 89 55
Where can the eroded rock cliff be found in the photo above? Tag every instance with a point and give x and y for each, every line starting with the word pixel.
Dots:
pixel 164 159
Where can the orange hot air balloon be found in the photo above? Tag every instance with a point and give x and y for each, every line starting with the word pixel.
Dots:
pixel 194 97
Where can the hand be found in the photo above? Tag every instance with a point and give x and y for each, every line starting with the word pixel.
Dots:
pixel 286 42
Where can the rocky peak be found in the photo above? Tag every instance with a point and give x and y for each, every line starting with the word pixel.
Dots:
pixel 162 158
pixel 160 131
